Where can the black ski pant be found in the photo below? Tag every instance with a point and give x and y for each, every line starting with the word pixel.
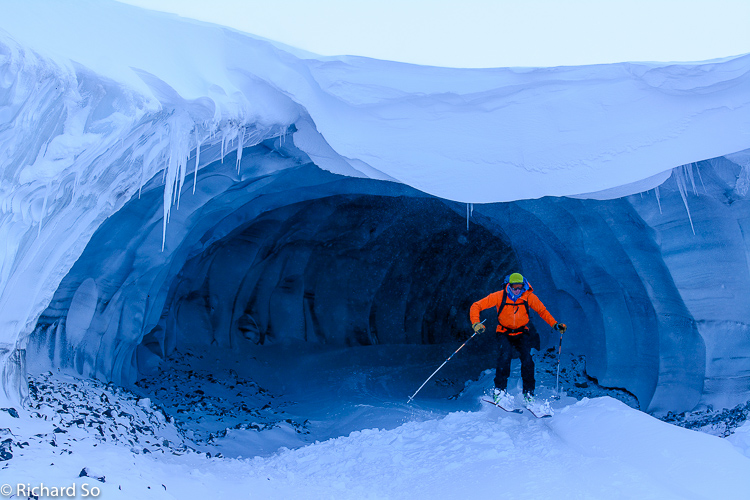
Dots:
pixel 522 345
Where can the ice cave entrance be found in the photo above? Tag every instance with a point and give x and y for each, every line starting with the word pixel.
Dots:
pixel 265 264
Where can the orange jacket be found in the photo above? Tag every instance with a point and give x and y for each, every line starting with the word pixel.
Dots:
pixel 515 314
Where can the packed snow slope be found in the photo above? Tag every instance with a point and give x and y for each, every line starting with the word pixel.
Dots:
pixel 100 102
pixel 592 449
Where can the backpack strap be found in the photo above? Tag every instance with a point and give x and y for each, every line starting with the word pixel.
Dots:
pixel 504 301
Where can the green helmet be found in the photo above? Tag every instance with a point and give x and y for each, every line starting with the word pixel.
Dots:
pixel 515 278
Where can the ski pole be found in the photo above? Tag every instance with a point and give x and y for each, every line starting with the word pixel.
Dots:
pixel 439 367
pixel 559 351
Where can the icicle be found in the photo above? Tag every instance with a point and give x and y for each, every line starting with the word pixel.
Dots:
pixel 467 216
pixel 176 190
pixel 240 138
pixel 164 174
pixel 472 210
pixel 223 138
pixel 197 158
pixel 178 152
pixel 689 170
pixel 254 137
pixel 181 173
pixel 658 201
pixel 701 178
pixel 682 187
pixel 181 148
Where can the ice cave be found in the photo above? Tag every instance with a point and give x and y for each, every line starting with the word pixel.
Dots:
pixel 268 197
pixel 284 250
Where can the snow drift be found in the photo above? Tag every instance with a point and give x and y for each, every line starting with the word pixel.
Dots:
pixel 591 449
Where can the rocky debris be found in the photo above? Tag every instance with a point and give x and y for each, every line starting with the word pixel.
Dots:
pixel 720 423
pixel 577 383
pixel 574 380
pixel 105 412
pixel 445 382
pixel 180 411
pixel 206 404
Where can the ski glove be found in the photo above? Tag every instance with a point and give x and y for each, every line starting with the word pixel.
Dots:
pixel 560 327
pixel 478 327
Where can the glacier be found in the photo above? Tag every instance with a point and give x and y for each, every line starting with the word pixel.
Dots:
pixel 222 189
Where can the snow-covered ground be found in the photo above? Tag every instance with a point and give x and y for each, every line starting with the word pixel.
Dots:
pixel 335 423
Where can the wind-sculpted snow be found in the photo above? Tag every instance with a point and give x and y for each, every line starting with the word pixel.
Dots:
pixel 136 166
pixel 467 135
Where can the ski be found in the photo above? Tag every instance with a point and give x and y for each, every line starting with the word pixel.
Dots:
pixel 539 411
pixel 511 410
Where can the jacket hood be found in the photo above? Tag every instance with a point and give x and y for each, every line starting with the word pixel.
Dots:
pixel 526 285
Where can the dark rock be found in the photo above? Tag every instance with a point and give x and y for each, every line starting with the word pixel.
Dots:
pixel 5 450
pixel 11 411
pixel 86 472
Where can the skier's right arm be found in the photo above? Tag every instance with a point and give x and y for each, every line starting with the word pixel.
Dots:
pixel 480 305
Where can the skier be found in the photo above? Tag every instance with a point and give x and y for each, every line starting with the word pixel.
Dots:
pixel 512 304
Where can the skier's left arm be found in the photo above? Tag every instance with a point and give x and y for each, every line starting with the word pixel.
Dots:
pixel 537 305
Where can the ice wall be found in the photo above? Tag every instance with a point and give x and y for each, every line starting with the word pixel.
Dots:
pixel 700 223
pixel 604 273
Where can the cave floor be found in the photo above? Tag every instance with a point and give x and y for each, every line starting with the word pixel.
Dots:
pixel 263 398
